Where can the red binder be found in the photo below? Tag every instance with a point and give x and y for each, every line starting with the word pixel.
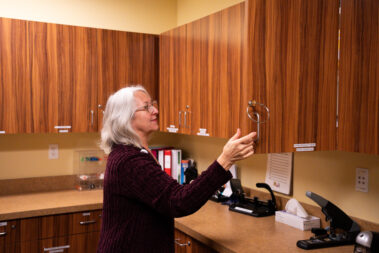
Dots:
pixel 167 161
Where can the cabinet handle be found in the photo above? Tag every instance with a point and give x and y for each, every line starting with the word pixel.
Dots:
pixel 91 117
pixel 182 244
pixel 185 119
pixel 258 126
pixel 56 249
pixel 3 233
pixel 180 118
pixel 87 222
pixel 252 104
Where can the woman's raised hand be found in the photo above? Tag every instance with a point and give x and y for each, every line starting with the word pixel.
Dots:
pixel 237 149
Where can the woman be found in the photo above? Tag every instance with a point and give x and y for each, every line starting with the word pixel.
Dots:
pixel 141 200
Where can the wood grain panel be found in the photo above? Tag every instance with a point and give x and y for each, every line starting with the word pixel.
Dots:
pixel 291 66
pixel 231 40
pixel 126 59
pixel 15 89
pixel 174 88
pixel 200 68
pixel 164 87
pixel 85 243
pixel 358 129
pixel 44 76
pixel 169 110
pixel 193 73
pixel 85 79
pixel 52 76
pixel 19 232
pixel 64 56
pixel 54 226
pixel 210 56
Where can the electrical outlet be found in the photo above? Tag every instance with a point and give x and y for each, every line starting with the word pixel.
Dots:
pixel 53 151
pixel 361 180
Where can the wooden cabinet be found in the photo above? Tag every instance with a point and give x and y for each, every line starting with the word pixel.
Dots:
pixel 19 235
pixel 186 244
pixel 126 59
pixel 291 67
pixel 57 78
pixel 63 68
pixel 358 125
pixel 174 91
pixel 86 243
pixel 15 89
pixel 75 232
pixel 200 74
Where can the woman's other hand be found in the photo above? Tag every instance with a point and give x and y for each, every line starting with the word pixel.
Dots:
pixel 237 149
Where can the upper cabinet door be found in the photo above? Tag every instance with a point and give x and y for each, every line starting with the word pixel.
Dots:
pixel 200 74
pixel 291 67
pixel 63 63
pixel 358 127
pixel 15 89
pixel 231 40
pixel 84 70
pixel 126 59
pixel 174 87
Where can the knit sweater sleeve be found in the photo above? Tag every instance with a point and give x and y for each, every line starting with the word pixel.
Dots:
pixel 141 178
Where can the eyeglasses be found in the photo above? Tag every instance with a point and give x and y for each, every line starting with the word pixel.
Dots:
pixel 148 107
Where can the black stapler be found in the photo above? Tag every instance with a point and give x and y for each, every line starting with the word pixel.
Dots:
pixel 253 207
pixel 342 231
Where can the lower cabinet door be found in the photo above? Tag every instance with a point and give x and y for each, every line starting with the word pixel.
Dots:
pixel 181 242
pixel 25 247
pixel 86 243
pixel 186 244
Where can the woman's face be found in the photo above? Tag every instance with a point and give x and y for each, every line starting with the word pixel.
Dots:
pixel 144 121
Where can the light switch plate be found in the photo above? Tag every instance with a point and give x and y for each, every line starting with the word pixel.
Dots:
pixel 361 180
pixel 53 151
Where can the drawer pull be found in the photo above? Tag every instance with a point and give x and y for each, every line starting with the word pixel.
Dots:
pixel 56 249
pixel 3 233
pixel 87 222
pixel 182 244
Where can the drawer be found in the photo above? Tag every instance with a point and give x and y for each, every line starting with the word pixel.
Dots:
pixel 16 231
pixel 83 243
pixel 69 224
pixel 85 222
pixel 21 247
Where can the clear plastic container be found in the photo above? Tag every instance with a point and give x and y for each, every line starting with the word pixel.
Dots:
pixel 89 167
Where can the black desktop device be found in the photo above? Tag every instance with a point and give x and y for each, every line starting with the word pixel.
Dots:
pixel 253 207
pixel 342 231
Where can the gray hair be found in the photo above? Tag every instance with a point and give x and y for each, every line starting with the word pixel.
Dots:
pixel 119 111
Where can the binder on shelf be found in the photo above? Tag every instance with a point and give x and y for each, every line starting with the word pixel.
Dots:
pixel 176 164
pixel 167 161
pixel 161 158
pixel 184 165
pixel 155 149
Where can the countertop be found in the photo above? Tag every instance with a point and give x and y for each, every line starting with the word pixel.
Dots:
pixel 213 225
pixel 48 203
pixel 227 231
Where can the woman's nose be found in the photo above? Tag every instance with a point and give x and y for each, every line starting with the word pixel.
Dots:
pixel 155 110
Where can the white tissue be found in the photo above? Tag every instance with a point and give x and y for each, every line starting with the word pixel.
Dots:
pixel 293 206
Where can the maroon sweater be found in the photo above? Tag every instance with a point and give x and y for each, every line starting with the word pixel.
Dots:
pixel 141 201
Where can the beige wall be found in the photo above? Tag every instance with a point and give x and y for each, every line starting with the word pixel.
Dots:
pixel 189 10
pixel 146 16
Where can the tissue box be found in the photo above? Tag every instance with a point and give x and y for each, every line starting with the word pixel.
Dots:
pixel 296 221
